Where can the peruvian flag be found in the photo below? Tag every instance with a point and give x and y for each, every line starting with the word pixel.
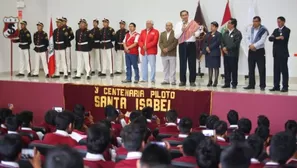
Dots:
pixel 51 52
pixel 226 18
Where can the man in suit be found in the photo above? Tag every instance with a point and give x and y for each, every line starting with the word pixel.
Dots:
pixel 168 45
pixel 256 39
pixel 231 45
pixel 280 38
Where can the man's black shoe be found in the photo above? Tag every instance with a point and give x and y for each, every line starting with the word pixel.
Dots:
pixel 234 87
pixel 20 75
pixel 65 77
pixel 226 86
pixel 88 77
pixel 274 89
pixel 249 87
pixel 284 90
pixel 262 89
pixel 182 84
pixel 76 77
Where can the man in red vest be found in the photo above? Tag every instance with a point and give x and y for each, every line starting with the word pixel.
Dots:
pixel 130 43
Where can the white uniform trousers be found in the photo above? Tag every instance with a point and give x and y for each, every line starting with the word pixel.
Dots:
pixel 83 58
pixel 68 60
pixel 107 60
pixel 60 57
pixel 25 62
pixel 96 60
pixel 42 56
pixel 119 61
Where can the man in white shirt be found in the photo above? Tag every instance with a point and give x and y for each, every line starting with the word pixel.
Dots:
pixel 186 32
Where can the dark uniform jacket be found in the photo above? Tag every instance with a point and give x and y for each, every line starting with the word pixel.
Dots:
pixel 61 38
pixel 40 41
pixel 70 35
pixel 96 37
pixel 214 43
pixel 84 40
pixel 24 39
pixel 119 37
pixel 107 35
pixel 280 47
pixel 232 42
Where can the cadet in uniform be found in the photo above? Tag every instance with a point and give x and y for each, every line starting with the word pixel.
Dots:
pixel 41 44
pixel 68 45
pixel 107 35
pixel 95 53
pixel 24 45
pixel 119 48
pixel 84 39
pixel 61 39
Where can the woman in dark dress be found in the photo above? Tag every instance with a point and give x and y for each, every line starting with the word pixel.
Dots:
pixel 212 52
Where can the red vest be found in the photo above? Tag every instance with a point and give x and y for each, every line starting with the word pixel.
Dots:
pixel 130 40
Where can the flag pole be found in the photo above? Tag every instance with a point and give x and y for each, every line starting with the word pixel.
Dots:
pixel 11 58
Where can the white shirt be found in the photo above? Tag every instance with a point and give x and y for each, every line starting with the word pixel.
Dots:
pixel 10 164
pixel 12 132
pixel 230 31
pixel 233 126
pixel 183 135
pixel 178 32
pixel 62 133
pixel 39 134
pixel 133 155
pixel 202 126
pixel 221 138
pixel 171 124
pixel 254 161
pixel 3 126
pixel 94 157
pixel 168 34
pixel 148 120
pixel 259 44
pixel 271 163
pixel 136 37
pixel 76 136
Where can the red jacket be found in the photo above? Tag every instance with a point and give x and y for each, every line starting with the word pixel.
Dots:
pixel 56 139
pixel 127 164
pixel 168 129
pixel 105 154
pixel 99 164
pixel 150 40
pixel 121 151
pixel 129 40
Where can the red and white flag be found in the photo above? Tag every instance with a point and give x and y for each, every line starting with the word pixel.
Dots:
pixel 51 52
pixel 226 18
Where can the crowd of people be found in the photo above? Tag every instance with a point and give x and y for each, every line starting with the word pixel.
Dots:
pixel 128 44
pixel 73 140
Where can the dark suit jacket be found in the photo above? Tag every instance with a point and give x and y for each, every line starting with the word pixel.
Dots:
pixel 170 44
pixel 280 47
pixel 232 42
pixel 214 43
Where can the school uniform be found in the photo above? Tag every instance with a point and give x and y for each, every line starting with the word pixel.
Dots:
pixel 59 137
pixel 255 163
pixel 35 135
pixel 121 151
pixel 78 135
pixel 152 125
pixel 186 159
pixel 221 141
pixel 130 161
pixel 116 128
pixel 199 129
pixel 97 160
pixel 3 129
pixel 180 137
pixel 168 128
pixel 48 127
pixel 25 140
pixel 106 154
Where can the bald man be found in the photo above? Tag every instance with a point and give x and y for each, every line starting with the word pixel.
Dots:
pixel 168 45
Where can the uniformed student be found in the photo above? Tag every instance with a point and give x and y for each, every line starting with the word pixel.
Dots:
pixel 41 44
pixel 61 39
pixel 119 48
pixel 68 45
pixel 95 53
pixel 107 36
pixel 83 39
pixel 24 45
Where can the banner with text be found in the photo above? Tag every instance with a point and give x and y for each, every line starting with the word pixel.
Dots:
pixel 188 103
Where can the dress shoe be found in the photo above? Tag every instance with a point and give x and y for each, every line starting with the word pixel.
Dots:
pixel 61 73
pixel 118 73
pixel 102 75
pixel 55 76
pixel 46 76
pixel 262 89
pixel 93 73
pixel 143 81
pixel 20 75
pixel 69 73
pixel 234 87
pixel 35 76
pixel 226 86
pixel 173 83
pixel 29 75
pixel 284 90
pixel 126 81
pixel 111 75
pixel 153 82
pixel 182 84
pixel 215 84
pixel 76 77
pixel 165 83
pixel 99 73
pixel 193 84
pixel 274 89
pixel 65 77
pixel 136 81
pixel 88 77
pixel 209 83
pixel 249 87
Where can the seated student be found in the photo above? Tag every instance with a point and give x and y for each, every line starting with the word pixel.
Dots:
pixel 10 150
pixel 281 149
pixel 79 110
pixel 64 124
pixel 185 128
pixel 236 156
pixel 26 118
pixel 133 141
pixel 170 126
pixel 133 115
pixel 263 133
pixel 97 143
pixel 232 117
pixel 291 126
pixel 63 157
pixel 211 120
pixel 245 125
pixel 236 136
pixel 263 120
pixel 154 156
pixel 78 132
pixel 112 115
pixel 221 132
pixel 13 125
pixel 208 154
pixel 49 121
pixel 153 123
pixel 4 113
pixel 189 148
pixel 257 144
pixel 202 122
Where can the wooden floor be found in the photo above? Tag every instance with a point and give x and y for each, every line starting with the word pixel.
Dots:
pixel 116 81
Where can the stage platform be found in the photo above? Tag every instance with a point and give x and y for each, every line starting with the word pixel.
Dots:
pixel 41 94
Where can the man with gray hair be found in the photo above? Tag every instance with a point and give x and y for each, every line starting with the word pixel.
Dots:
pixel 168 45
pixel 148 43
